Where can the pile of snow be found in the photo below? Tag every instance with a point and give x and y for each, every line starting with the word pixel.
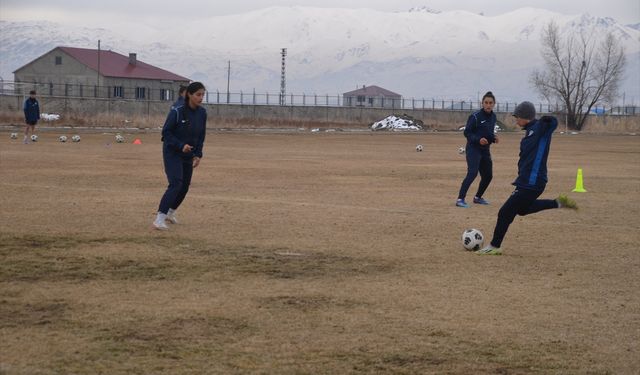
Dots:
pixel 50 117
pixel 398 123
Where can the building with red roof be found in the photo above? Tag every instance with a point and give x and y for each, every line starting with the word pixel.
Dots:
pixel 82 72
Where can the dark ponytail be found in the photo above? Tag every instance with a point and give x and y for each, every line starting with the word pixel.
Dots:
pixel 489 94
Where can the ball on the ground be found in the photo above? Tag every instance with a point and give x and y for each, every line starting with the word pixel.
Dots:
pixel 62 138
pixel 419 148
pixel 34 138
pixel 75 138
pixel 461 150
pixel 472 239
pixel 119 138
pixel 14 135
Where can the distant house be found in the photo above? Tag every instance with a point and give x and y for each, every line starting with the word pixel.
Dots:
pixel 68 71
pixel 371 96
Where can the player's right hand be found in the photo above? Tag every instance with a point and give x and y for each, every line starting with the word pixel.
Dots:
pixel 187 148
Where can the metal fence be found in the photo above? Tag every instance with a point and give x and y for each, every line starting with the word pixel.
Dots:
pixel 291 99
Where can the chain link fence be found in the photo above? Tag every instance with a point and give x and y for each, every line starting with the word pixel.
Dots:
pixel 291 99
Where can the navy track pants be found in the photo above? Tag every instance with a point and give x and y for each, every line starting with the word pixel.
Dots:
pixel 521 202
pixel 179 171
pixel 478 160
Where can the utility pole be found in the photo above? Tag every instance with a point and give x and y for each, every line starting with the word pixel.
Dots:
pixel 283 83
pixel 98 78
pixel 228 79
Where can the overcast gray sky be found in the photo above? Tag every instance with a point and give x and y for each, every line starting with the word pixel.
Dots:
pixel 157 12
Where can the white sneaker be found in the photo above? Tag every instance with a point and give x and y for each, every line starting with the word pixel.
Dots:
pixel 160 225
pixel 159 222
pixel 171 216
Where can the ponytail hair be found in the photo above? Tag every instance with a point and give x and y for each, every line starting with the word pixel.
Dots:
pixel 192 89
pixel 489 94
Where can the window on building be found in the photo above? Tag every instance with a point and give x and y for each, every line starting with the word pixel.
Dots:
pixel 58 60
pixel 66 89
pixel 165 94
pixel 50 88
pixel 371 101
pixel 361 98
pixel 140 92
pixel 118 92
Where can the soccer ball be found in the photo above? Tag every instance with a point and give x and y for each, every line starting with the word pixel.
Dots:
pixel 419 148
pixel 62 138
pixel 461 150
pixel 14 135
pixel 75 138
pixel 119 138
pixel 472 239
pixel 34 138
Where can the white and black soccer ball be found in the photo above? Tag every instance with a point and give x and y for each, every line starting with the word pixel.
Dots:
pixel 75 138
pixel 62 138
pixel 14 135
pixel 472 239
pixel 461 150
pixel 34 138
pixel 419 148
pixel 119 138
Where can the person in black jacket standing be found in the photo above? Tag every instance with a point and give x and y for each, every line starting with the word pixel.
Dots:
pixel 480 134
pixel 31 115
pixel 183 137
pixel 532 175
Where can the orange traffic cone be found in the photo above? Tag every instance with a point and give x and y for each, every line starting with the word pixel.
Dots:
pixel 137 141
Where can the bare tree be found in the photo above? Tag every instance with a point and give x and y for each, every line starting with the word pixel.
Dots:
pixel 580 71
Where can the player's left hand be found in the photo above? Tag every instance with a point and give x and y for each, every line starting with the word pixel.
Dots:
pixel 196 162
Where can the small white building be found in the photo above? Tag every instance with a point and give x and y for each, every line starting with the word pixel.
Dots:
pixel 372 96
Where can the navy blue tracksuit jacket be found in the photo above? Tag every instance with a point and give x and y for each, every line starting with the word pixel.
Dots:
pixel 185 126
pixel 480 125
pixel 534 151
pixel 31 111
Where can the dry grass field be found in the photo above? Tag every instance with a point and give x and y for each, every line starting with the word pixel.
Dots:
pixel 314 253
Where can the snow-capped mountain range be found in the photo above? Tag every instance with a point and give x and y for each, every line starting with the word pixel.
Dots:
pixel 421 53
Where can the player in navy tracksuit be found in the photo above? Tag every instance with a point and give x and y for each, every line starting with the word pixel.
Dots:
pixel 480 133
pixel 183 136
pixel 532 175
pixel 181 93
pixel 31 115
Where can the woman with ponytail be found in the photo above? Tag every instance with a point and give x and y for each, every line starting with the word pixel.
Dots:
pixel 480 134
pixel 183 136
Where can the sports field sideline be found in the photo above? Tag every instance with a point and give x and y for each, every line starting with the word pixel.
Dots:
pixel 318 253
